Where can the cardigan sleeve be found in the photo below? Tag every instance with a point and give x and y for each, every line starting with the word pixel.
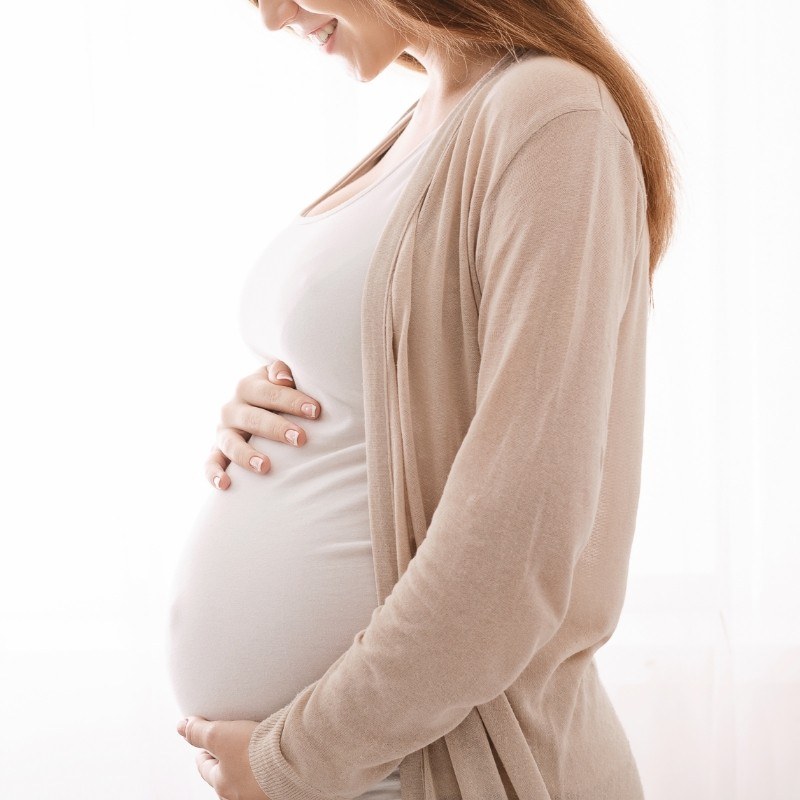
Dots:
pixel 490 583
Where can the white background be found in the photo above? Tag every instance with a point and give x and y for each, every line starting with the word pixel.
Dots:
pixel 148 152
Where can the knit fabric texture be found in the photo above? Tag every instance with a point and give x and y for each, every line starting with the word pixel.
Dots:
pixel 503 324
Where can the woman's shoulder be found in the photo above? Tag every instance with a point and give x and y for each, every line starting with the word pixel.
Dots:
pixel 536 89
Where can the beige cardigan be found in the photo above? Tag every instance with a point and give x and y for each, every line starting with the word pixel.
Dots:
pixel 504 320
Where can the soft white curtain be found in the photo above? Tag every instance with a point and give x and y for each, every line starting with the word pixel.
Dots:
pixel 148 151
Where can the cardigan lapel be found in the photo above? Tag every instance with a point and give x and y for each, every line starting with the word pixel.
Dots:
pixel 393 541
pixel 396 516
pixel 389 531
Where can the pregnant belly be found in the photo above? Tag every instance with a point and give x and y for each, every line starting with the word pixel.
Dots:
pixel 275 580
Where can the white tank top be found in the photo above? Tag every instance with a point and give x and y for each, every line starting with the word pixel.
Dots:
pixel 276 576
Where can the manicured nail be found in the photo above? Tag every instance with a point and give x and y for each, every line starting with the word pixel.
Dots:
pixel 309 409
pixel 291 437
pixel 284 376
pixel 256 462
pixel 216 481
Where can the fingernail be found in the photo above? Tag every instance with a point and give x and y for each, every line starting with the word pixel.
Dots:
pixel 309 410
pixel 284 376
pixel 291 437
pixel 216 481
pixel 256 462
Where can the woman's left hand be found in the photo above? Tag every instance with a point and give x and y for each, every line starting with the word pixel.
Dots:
pixel 224 762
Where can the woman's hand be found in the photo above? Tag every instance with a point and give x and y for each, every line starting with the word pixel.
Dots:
pixel 223 760
pixel 271 387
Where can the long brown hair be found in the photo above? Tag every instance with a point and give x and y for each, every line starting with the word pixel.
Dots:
pixel 566 29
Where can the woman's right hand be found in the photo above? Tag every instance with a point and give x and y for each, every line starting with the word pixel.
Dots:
pixel 255 409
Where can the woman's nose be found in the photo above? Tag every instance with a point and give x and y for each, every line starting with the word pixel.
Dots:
pixel 277 15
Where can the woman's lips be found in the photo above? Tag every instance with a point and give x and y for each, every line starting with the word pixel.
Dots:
pixel 329 27
pixel 333 19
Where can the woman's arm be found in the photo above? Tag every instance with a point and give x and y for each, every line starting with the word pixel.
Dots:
pixel 490 584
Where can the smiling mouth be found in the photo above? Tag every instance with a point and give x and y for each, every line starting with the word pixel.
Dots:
pixel 324 32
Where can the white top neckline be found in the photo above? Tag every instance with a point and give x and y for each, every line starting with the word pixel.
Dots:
pixel 304 219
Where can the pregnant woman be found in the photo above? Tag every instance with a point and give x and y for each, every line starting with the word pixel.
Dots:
pixel 425 501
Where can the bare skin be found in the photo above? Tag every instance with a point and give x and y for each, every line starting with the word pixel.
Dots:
pixel 364 45
pixel 255 409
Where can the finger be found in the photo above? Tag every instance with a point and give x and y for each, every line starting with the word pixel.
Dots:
pixel 231 442
pixel 241 416
pixel 215 469
pixel 271 394
pixel 199 731
pixel 263 390
pixel 260 422
pixel 279 372
pixel 208 767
